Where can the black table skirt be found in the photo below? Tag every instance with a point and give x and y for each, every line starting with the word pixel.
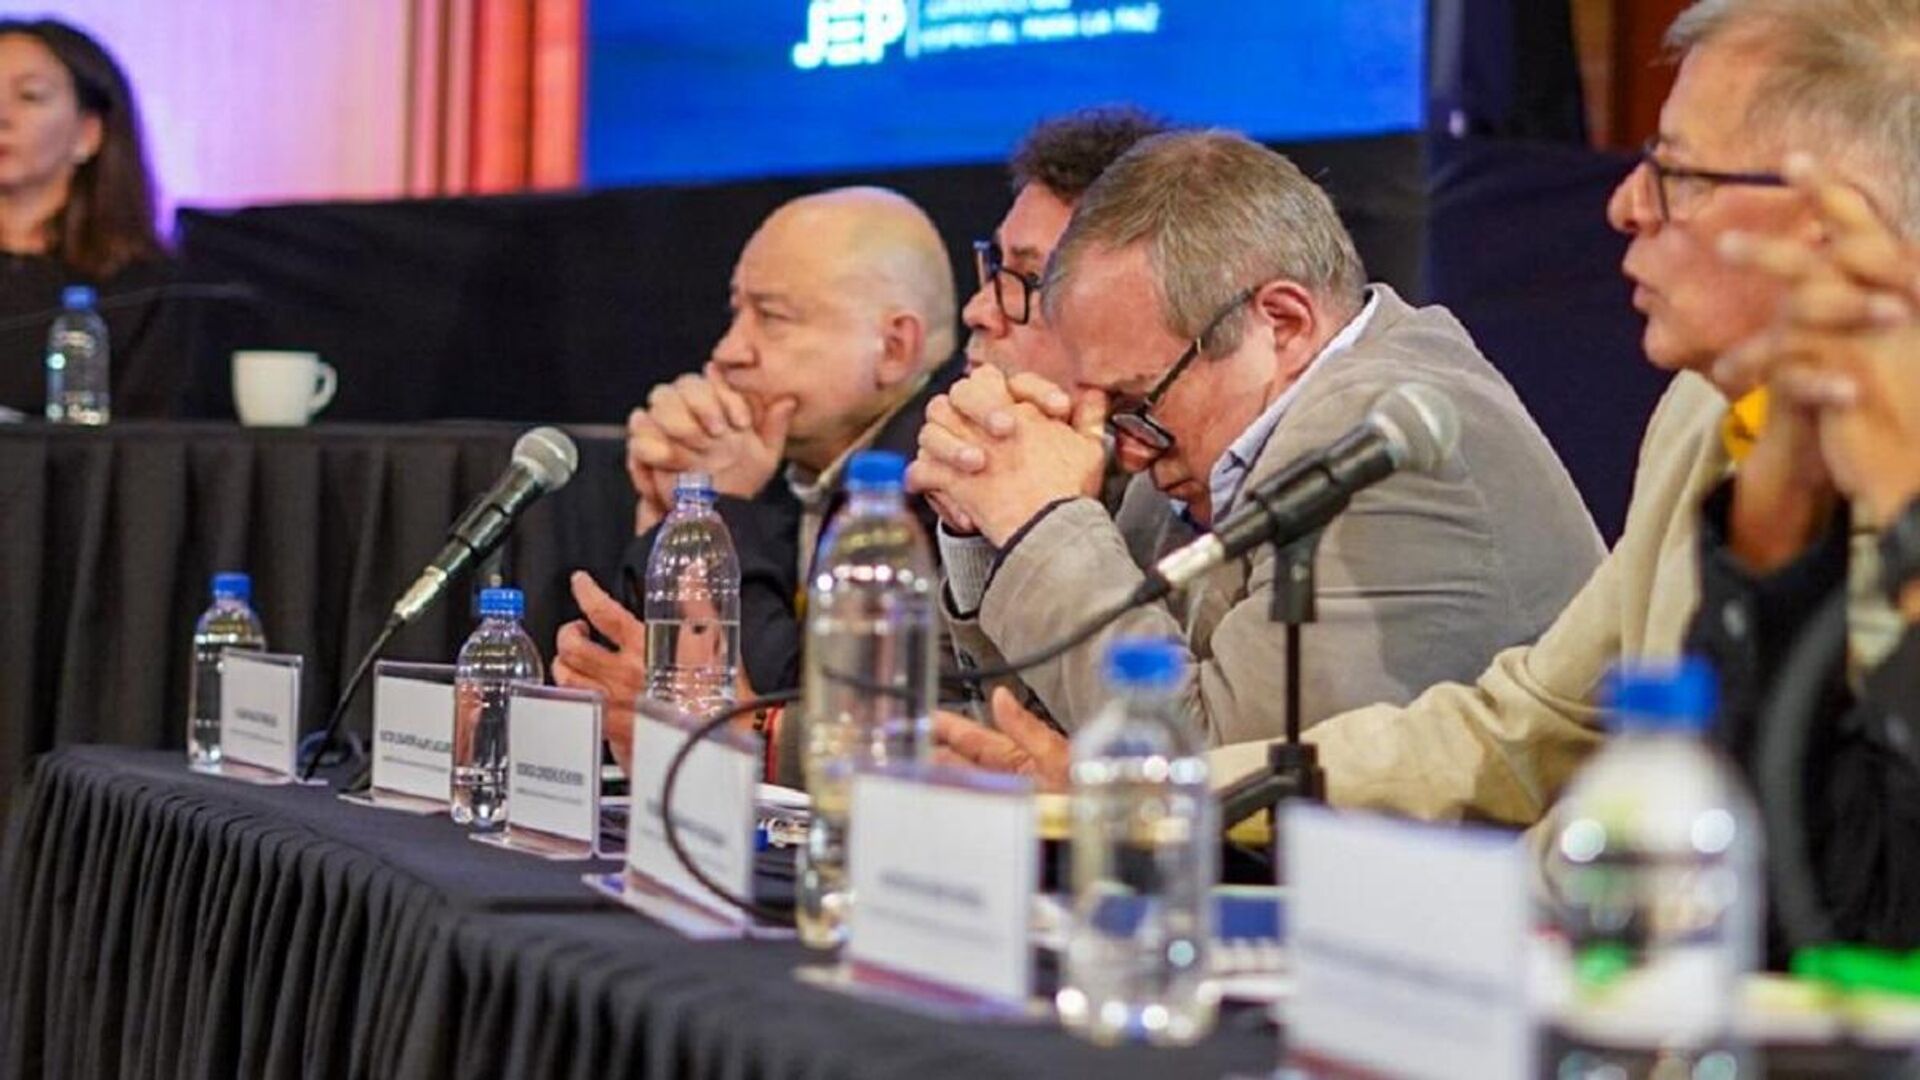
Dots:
pixel 108 538
pixel 160 923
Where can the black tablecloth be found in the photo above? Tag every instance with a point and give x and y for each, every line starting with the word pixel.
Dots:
pixel 108 538
pixel 160 923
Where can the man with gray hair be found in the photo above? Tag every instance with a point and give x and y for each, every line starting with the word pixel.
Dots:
pixel 1219 327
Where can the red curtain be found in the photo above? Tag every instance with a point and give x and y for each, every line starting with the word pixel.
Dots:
pixel 496 89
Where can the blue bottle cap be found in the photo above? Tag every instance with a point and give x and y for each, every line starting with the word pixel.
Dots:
pixel 1144 663
pixel 502 602
pixel 692 483
pixel 1649 696
pixel 876 470
pixel 232 585
pixel 77 297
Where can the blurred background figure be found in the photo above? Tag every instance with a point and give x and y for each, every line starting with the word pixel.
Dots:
pixel 77 208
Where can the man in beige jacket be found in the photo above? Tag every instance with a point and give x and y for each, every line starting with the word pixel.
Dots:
pixel 1759 79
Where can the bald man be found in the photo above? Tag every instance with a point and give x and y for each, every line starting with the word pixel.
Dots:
pixel 843 327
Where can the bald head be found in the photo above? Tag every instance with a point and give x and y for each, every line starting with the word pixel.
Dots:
pixel 841 301
pixel 876 248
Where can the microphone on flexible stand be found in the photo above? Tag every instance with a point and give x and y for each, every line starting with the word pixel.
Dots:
pixel 543 460
pixel 1412 426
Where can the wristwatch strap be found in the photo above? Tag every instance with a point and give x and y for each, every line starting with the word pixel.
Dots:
pixel 1900 551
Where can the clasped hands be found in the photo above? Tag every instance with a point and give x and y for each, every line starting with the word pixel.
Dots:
pixel 1842 367
pixel 996 450
pixel 697 423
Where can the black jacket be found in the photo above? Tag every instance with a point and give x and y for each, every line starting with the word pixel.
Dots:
pixel 1862 772
pixel 766 532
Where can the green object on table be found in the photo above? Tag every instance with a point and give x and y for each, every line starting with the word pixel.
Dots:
pixel 1859 967
pixel 1598 965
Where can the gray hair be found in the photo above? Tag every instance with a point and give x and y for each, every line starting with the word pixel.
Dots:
pixel 1843 74
pixel 1219 214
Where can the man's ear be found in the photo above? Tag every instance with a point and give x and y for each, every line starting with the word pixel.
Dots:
pixel 1287 315
pixel 902 338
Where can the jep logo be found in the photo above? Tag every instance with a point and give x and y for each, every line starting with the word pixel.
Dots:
pixel 843 33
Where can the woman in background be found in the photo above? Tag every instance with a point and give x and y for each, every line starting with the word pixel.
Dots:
pixel 77 207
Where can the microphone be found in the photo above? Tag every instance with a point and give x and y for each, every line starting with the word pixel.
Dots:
pixel 1412 426
pixel 543 461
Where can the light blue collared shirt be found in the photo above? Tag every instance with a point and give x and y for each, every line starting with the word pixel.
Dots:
pixel 1230 472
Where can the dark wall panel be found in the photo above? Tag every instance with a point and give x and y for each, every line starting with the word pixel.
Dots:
pixel 568 308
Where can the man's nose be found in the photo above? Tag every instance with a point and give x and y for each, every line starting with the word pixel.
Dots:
pixel 1631 210
pixel 1133 457
pixel 982 313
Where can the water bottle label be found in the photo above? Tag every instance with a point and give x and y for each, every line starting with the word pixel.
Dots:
pixel 713 814
pixel 553 773
pixel 413 730
pixel 942 908
pixel 260 712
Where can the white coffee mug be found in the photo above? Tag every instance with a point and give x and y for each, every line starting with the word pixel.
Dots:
pixel 274 388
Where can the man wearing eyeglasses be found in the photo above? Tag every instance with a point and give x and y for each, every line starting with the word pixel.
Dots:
pixel 1219 327
pixel 1051 168
pixel 1758 79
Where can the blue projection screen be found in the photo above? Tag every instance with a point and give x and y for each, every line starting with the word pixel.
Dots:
pixel 687 90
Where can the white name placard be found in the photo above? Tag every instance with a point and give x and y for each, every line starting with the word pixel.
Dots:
pixel 553 765
pixel 1408 945
pixel 713 811
pixel 260 710
pixel 942 863
pixel 413 729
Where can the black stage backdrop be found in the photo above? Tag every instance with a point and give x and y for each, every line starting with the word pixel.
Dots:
pixel 570 307
pixel 1519 248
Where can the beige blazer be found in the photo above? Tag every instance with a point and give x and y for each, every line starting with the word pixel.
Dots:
pixel 1501 747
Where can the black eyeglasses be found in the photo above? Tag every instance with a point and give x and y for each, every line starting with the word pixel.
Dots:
pixel 987 264
pixel 1137 423
pixel 1678 185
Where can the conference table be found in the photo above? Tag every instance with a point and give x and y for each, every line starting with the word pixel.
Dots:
pixel 165 923
pixel 109 537
pixel 161 923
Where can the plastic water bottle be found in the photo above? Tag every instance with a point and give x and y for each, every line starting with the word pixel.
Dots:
pixel 78 365
pixel 693 604
pixel 1146 846
pixel 870 625
pixel 1655 883
pixel 229 624
pixel 497 655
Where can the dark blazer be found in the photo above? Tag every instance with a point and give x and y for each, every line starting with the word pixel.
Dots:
pixel 1862 770
pixel 766 532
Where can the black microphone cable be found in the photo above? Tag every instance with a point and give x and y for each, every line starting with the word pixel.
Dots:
pixel 1786 727
pixel 1153 588
pixel 694 738
pixel 332 731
